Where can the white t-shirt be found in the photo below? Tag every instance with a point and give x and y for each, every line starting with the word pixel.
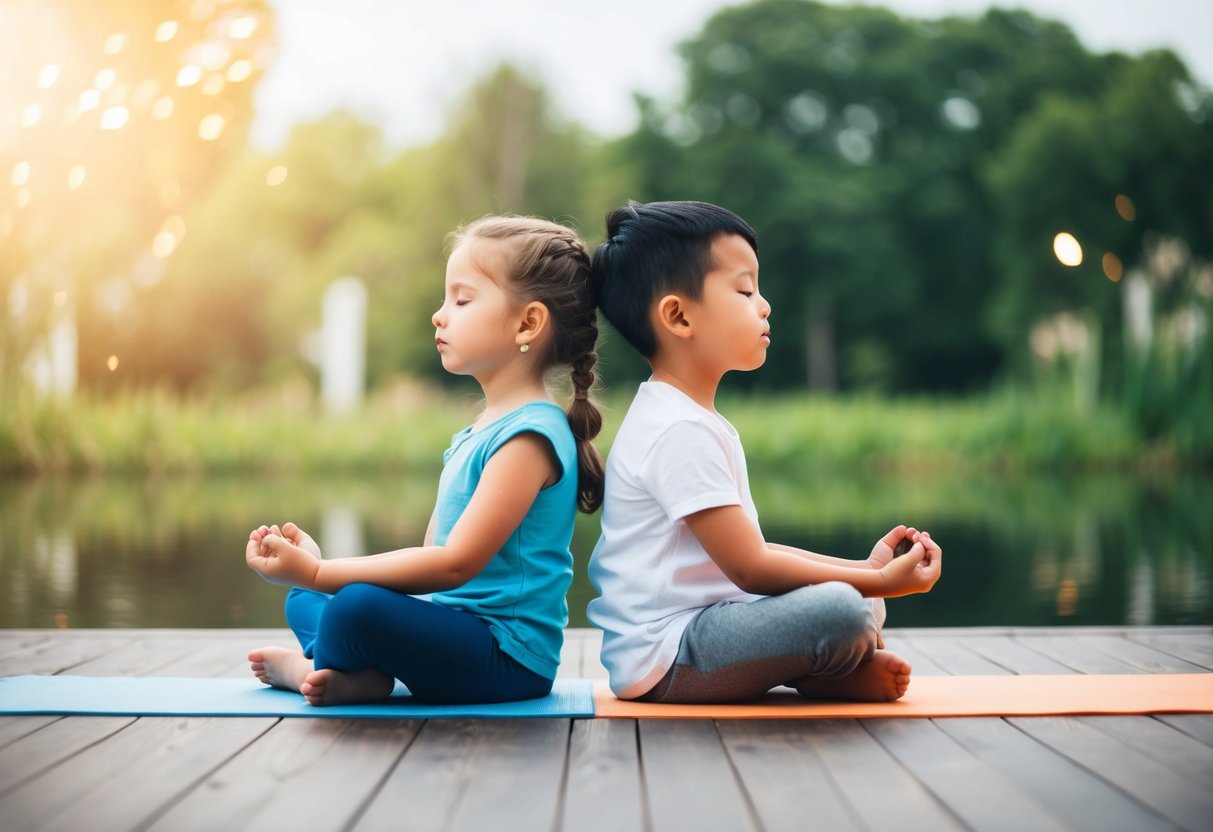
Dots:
pixel 671 458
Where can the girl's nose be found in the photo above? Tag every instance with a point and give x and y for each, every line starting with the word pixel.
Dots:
pixel 436 318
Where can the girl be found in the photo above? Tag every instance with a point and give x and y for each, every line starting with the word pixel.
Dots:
pixel 496 555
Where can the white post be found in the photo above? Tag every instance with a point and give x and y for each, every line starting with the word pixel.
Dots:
pixel 343 346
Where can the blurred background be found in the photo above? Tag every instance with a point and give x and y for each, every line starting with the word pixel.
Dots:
pixel 986 232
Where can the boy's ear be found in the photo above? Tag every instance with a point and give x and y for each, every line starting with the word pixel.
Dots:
pixel 532 322
pixel 670 314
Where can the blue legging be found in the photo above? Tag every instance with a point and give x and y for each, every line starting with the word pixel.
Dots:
pixel 442 655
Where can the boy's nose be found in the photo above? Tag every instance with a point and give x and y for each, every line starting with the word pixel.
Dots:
pixel 764 308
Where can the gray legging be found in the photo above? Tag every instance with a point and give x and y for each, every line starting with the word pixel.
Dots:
pixel 735 651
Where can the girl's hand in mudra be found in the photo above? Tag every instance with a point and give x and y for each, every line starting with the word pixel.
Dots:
pixel 283 556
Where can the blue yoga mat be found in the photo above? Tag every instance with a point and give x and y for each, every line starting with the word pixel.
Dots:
pixel 174 696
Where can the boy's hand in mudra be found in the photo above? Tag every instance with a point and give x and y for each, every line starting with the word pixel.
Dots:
pixel 896 542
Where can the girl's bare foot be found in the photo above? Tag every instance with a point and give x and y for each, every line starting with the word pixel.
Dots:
pixel 882 679
pixel 335 687
pixel 280 667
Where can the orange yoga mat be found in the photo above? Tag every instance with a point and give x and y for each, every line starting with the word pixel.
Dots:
pixel 944 696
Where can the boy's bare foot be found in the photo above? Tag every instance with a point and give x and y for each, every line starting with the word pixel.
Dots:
pixel 334 687
pixel 883 678
pixel 280 667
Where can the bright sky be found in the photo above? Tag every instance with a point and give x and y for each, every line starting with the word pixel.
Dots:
pixel 403 63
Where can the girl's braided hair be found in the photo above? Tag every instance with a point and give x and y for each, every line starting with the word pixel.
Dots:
pixel 550 263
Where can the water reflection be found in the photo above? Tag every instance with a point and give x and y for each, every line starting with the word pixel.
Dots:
pixel 1022 551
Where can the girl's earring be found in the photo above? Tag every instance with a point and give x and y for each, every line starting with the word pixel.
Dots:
pixel 524 348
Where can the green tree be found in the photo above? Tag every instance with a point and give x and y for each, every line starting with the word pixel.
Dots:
pixel 855 142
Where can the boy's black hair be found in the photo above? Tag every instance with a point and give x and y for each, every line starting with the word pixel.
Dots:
pixel 651 250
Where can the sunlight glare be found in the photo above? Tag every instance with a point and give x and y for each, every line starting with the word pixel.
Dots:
pixel 47 76
pixel 211 127
pixel 115 43
pixel 32 115
pixel 242 28
pixel 189 75
pixel 213 85
pixel 1067 249
pixel 115 118
pixel 240 70
pixel 164 245
pixel 163 108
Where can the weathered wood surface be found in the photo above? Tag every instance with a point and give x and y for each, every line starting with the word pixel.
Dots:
pixel 1048 773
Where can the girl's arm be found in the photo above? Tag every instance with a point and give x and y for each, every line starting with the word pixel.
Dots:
pixel 735 543
pixel 511 480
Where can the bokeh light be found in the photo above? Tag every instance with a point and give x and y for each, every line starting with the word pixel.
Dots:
pixel 1113 269
pixel 1126 208
pixel 1067 249
pixel 276 176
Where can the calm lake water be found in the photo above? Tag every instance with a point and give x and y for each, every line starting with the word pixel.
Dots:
pixel 1023 551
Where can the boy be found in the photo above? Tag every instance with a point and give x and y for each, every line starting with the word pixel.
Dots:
pixel 694 605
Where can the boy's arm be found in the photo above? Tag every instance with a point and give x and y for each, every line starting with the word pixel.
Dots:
pixel 735 543
pixel 882 552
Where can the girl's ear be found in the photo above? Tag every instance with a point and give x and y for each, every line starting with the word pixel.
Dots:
pixel 532 323
pixel 670 316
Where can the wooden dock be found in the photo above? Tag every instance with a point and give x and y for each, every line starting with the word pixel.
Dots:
pixel 314 775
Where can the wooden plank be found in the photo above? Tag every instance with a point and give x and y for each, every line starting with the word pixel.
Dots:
pixel 1009 654
pixel 981 797
pixel 220 656
pixel 1073 795
pixel 1196 648
pixel 570 657
pixel 127 780
pixel 1143 657
pixel 1068 651
pixel 1186 756
pixel 591 656
pixel 517 774
pixel 883 793
pixel 786 781
pixel 687 778
pixel 469 774
pixel 304 773
pixel 430 779
pixel 58 654
pixel 1197 726
pixel 1137 775
pixel 954 658
pixel 35 753
pixel 138 657
pixel 919 661
pixel 602 785
pixel 13 728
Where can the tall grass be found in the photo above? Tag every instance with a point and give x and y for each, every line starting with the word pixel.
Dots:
pixel 153 432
